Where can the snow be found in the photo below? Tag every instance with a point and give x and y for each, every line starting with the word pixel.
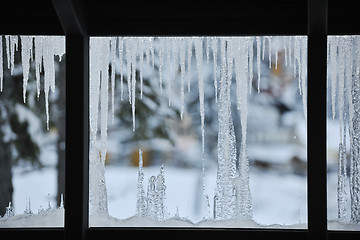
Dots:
pixel 53 218
pixel 182 191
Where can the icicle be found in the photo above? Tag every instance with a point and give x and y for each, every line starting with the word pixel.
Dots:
pixel 214 44
pixel 26 45
pixel 141 64
pixel 38 61
pixel 290 49
pixel 243 191
pixel 99 78
pixel 333 71
pixel 251 63
pixel 342 151
pixel 13 46
pixel 258 39
pixel 175 59
pixel 230 52
pixel 104 89
pixel 1 64
pixel 120 48
pixel 133 78
pixel 189 54
pixel 263 48
pixel 49 73
pixel 269 41
pixel 285 41
pixel 151 46
pixel 182 50
pixel 297 60
pixel 276 52
pixel 224 199
pixel 207 49
pixel 199 62
pixel 354 148
pixel 304 74
pixel 147 50
pixel 128 65
pixel 199 58
pixel 94 87
pixel 7 44
pixel 113 56
pixel 168 59
pixel 161 64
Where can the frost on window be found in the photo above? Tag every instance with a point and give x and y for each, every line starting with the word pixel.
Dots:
pixel 32 131
pixel 198 131
pixel 343 132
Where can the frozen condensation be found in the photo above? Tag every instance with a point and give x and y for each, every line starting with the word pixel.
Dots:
pixel 344 85
pixel 233 61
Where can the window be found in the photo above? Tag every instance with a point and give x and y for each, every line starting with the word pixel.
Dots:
pixel 80 19
pixel 33 134
pixel 343 166
pixel 161 97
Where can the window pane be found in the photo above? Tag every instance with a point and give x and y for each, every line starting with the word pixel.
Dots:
pixel 180 139
pixel 343 133
pixel 32 132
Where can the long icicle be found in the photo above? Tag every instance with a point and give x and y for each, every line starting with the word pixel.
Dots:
pixel 1 64
pixel 199 62
pixel 113 56
pixel 133 78
pixel 258 49
pixel 182 50
pixel 214 44
pixel 26 44
pixel 121 49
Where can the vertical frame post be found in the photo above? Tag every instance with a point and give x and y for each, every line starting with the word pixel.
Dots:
pixel 316 122
pixel 77 138
pixel 70 13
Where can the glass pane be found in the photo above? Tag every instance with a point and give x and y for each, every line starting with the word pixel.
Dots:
pixel 198 131
pixel 32 131
pixel 343 133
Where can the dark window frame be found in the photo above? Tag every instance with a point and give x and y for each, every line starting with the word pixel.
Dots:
pixel 79 19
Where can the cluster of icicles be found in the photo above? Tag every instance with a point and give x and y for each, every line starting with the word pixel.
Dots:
pixel 38 49
pixel 344 87
pixel 232 58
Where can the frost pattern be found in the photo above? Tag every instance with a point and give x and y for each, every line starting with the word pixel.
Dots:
pixel 235 56
pixel 344 87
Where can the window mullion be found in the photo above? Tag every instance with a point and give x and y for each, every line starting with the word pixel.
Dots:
pixel 77 137
pixel 316 122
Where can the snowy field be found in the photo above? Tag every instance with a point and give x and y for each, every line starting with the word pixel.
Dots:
pixel 277 199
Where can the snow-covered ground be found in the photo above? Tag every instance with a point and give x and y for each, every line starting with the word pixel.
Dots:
pixel 277 198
